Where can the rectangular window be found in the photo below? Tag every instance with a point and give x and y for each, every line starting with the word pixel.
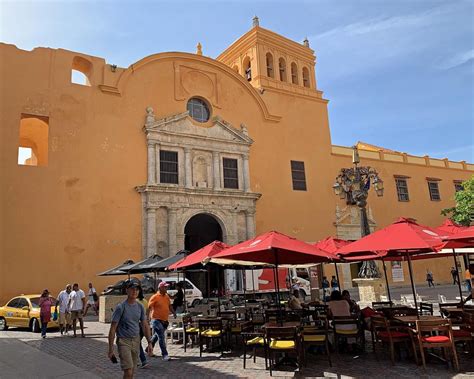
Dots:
pixel 298 176
pixel 168 167
pixel 434 191
pixel 458 187
pixel 231 173
pixel 402 189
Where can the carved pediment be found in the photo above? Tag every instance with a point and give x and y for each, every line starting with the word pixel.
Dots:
pixel 182 125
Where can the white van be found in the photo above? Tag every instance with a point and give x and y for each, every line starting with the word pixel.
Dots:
pixel 192 294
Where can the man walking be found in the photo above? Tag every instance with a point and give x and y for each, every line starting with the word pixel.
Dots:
pixel 429 278
pixel 77 302
pixel 64 312
pixel 454 274
pixel 91 300
pixel 160 308
pixel 127 319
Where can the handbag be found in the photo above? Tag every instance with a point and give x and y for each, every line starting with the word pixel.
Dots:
pixel 55 316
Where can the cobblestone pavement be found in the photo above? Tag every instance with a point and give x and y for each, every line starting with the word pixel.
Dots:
pixel 90 354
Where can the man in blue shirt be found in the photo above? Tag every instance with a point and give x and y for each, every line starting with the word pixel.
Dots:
pixel 127 319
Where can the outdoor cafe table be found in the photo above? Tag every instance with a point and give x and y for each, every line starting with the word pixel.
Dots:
pixel 387 311
pixel 410 320
pixel 286 324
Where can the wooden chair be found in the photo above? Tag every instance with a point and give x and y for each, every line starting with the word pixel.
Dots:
pixel 275 315
pixel 426 309
pixel 282 340
pixel 191 330
pixel 436 334
pixel 229 319
pixel 252 339
pixel 210 329
pixel 316 336
pixel 464 333
pixel 442 307
pixel 342 331
pixel 383 333
pixel 381 304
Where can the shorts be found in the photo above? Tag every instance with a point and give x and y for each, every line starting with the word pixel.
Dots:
pixel 64 318
pixel 91 302
pixel 76 314
pixel 129 350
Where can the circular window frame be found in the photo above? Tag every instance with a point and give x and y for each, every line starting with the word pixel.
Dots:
pixel 208 106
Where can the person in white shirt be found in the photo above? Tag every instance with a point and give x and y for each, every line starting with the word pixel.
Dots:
pixel 64 313
pixel 92 300
pixel 77 303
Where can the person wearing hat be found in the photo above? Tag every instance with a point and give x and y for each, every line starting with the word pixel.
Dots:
pixel 45 304
pixel 128 317
pixel 160 307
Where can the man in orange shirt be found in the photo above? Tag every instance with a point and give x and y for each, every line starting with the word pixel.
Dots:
pixel 159 308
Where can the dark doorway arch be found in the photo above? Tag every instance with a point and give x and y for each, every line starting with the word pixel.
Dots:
pixel 201 230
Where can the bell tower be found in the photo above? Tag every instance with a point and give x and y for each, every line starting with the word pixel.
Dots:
pixel 270 61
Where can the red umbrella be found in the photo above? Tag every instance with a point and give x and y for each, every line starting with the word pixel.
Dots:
pixel 272 249
pixel 200 255
pixel 464 238
pixel 332 245
pixel 403 238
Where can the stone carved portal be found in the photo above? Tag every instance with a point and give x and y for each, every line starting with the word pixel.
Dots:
pixel 170 209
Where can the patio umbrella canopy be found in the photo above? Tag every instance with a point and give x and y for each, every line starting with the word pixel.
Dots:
pixel 143 266
pixel 272 249
pixel 402 239
pixel 465 238
pixel 332 245
pixel 118 270
pixel 200 255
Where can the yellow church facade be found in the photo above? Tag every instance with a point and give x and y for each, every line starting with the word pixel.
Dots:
pixel 177 150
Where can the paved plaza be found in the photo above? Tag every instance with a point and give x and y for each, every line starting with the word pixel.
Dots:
pixel 26 355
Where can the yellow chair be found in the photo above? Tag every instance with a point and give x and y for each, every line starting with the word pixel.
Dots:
pixel 282 340
pixel 210 329
pixel 251 339
pixel 316 336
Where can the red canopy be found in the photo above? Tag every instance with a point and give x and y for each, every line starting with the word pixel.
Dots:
pixel 401 238
pixel 200 255
pixel 464 238
pixel 273 248
pixel 331 244
pixel 449 228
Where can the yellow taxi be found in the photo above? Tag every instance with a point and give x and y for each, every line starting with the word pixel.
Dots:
pixel 23 311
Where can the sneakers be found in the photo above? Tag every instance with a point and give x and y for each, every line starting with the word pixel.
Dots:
pixel 166 357
pixel 44 336
pixel 144 364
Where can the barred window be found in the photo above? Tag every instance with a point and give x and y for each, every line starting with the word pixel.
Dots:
pixel 168 167
pixel 198 110
pixel 231 173
pixel 402 189
pixel 458 187
pixel 434 191
pixel 298 176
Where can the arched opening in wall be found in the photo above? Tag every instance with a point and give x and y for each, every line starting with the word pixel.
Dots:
pixel 236 69
pixel 294 73
pixel 199 231
pixel 282 69
pixel 247 69
pixel 305 77
pixel 269 59
pixel 81 71
pixel 33 141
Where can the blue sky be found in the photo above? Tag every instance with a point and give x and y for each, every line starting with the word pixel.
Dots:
pixel 398 74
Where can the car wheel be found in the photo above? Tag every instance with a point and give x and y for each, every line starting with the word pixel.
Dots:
pixel 195 302
pixel 35 326
pixel 3 324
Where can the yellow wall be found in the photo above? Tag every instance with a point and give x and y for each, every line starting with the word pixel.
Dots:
pixel 80 214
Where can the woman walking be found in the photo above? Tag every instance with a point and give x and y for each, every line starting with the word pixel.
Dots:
pixel 45 304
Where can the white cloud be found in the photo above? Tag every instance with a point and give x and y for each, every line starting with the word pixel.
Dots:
pixel 457 60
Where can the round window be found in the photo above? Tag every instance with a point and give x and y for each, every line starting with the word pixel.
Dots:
pixel 198 110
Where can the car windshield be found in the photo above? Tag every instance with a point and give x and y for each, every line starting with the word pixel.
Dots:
pixel 35 301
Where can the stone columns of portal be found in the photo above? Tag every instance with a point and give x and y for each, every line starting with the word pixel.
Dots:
pixel 172 247
pixel 250 223
pixel 150 232
pixel 157 162
pixel 216 170
pixel 151 164
pixel 188 167
pixel 246 174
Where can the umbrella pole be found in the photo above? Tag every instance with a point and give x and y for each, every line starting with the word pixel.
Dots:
pixel 245 290
pixel 218 294
pixel 337 276
pixel 185 304
pixel 412 283
pixel 457 271
pixel 386 281
pixel 278 289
